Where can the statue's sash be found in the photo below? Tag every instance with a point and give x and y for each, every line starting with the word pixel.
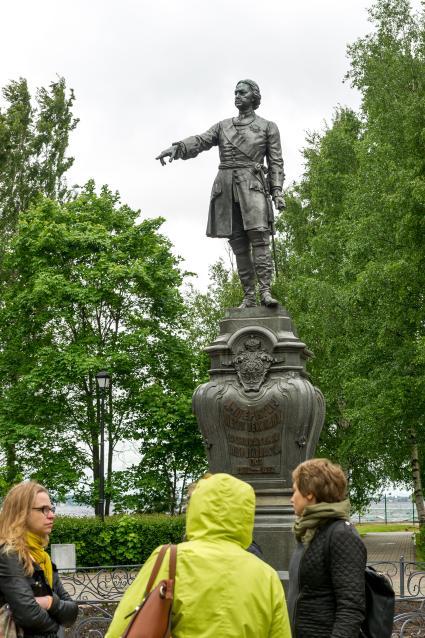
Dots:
pixel 231 134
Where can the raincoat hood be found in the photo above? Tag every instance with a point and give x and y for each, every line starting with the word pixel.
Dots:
pixel 221 507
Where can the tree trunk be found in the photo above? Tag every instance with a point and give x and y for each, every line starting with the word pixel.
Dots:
pixel 181 501
pixel 173 504
pixel 12 469
pixel 417 483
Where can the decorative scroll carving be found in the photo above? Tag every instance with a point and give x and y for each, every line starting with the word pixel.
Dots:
pixel 252 364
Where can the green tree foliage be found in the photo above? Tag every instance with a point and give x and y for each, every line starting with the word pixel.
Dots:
pixel 89 288
pixel 353 254
pixel 172 454
pixel 314 279
pixel 388 243
pixel 207 309
pixel 33 145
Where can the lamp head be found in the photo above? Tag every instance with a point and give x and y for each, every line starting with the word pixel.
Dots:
pixel 103 380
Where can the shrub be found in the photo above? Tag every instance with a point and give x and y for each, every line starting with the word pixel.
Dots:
pixel 119 540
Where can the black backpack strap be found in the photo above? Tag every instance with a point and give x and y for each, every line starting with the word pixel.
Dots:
pixel 330 526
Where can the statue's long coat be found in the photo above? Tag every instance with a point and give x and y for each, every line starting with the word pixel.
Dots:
pixel 242 151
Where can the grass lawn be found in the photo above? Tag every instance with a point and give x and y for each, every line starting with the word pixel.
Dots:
pixel 366 528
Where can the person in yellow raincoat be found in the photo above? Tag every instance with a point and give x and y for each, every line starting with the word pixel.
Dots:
pixel 221 590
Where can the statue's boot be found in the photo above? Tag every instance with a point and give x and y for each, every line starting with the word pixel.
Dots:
pixel 263 265
pixel 246 271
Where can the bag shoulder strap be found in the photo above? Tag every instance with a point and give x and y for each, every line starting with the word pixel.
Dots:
pixel 158 563
pixel 156 568
pixel 329 528
pixel 173 561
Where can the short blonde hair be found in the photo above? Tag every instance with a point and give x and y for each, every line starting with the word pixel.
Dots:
pixel 322 478
pixel 16 508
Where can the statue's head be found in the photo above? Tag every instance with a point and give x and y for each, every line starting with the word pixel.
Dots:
pixel 254 89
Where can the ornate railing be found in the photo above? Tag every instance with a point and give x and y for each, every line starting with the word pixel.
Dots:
pixel 406 577
pixel 99 584
pixel 99 589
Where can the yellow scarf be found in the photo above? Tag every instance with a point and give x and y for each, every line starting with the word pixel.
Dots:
pixel 36 546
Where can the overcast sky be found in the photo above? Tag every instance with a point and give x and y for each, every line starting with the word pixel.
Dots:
pixel 147 73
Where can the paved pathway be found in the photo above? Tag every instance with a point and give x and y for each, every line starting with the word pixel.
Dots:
pixel 389 546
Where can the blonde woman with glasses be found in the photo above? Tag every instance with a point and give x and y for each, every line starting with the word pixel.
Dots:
pixel 29 581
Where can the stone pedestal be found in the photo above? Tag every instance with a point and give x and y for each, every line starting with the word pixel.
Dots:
pixel 260 416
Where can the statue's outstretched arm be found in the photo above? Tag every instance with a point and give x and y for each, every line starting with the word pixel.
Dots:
pixel 191 146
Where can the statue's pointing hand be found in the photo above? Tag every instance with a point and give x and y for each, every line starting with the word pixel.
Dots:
pixel 170 152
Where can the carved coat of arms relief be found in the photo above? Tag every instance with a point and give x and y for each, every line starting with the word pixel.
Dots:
pixel 252 363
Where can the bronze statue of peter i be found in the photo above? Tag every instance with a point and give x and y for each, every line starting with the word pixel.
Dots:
pixel 240 206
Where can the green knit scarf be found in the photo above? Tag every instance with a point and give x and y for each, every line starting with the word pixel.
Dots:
pixel 316 515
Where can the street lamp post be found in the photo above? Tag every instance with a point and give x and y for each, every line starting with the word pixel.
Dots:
pixel 103 380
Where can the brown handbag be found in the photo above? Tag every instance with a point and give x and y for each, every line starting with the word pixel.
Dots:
pixel 8 627
pixel 152 618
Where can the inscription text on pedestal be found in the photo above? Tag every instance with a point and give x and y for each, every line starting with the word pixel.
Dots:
pixel 254 436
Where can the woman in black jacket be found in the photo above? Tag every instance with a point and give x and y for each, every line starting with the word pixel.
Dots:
pixel 29 581
pixel 326 597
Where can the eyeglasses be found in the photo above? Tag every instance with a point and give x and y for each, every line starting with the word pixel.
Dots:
pixel 45 509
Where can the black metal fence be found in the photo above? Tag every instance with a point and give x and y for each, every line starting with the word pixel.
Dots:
pixel 99 589
pixel 389 509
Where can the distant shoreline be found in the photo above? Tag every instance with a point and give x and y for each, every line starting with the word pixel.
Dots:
pixel 68 509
